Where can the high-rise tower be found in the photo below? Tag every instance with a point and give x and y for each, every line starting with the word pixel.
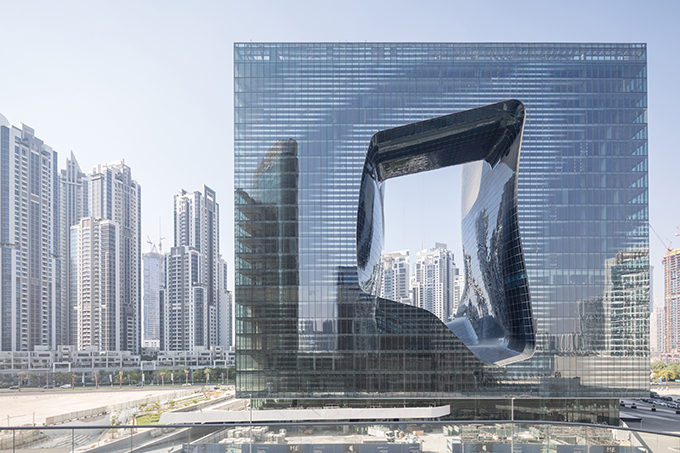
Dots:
pixel 114 195
pixel 184 312
pixel 31 312
pixel 671 272
pixel 226 312
pixel 154 280
pixel 95 261
pixel 193 266
pixel 395 275
pixel 433 281
pixel 74 205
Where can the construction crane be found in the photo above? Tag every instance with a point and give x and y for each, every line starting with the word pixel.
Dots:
pixel 150 242
pixel 670 243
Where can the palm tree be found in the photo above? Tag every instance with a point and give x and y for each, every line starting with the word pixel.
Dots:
pixel 20 376
pixel 207 375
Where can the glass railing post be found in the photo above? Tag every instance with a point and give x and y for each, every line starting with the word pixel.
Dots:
pixel 512 436
pixel 73 440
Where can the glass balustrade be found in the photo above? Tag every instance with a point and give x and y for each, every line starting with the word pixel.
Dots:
pixel 341 437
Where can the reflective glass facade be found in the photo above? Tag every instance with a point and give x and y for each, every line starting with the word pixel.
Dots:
pixel 304 116
pixel 494 318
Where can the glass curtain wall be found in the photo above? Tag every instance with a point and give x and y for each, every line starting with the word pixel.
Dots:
pixel 304 115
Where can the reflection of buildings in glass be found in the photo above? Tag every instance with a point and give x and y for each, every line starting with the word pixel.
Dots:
pixel 626 282
pixel 671 272
pixel 267 275
pixel 603 337
pixel 582 195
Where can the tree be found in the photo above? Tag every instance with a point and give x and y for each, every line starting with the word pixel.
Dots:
pixel 61 378
pixel 102 377
pixel 675 367
pixel 134 376
pixel 658 366
pixel 667 374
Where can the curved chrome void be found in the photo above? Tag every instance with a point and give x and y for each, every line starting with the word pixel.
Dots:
pixel 494 318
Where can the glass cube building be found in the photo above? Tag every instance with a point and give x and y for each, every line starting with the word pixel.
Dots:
pixel 304 117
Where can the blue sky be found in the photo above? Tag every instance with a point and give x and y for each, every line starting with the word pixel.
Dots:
pixel 151 81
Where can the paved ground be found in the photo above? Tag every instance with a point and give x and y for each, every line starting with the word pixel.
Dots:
pixel 27 407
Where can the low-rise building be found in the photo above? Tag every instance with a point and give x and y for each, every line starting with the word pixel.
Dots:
pixel 68 358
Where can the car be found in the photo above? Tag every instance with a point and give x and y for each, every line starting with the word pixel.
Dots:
pixel 653 395
pixel 65 386
pixel 48 386
pixel 14 387
pixel 186 385
pixel 667 398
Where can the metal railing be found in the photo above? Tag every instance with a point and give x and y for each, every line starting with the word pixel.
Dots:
pixel 343 437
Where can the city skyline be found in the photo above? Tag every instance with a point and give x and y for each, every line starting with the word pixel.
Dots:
pixel 108 96
pixel 72 262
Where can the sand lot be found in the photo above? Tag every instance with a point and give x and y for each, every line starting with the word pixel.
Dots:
pixel 25 406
